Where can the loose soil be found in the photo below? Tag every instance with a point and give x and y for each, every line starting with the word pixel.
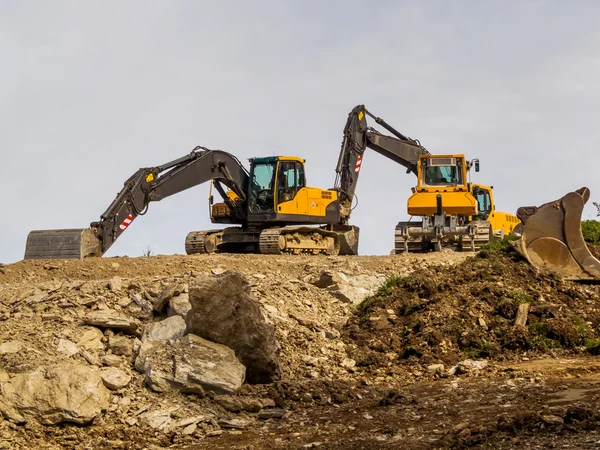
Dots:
pixel 354 376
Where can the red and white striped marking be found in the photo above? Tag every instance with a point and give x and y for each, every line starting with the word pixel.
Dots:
pixel 358 163
pixel 126 222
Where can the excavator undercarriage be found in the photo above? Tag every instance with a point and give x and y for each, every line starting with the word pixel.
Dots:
pixel 293 240
pixel 551 237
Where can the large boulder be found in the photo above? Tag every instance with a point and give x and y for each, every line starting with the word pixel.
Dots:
pixel 224 311
pixel 54 394
pixel 190 364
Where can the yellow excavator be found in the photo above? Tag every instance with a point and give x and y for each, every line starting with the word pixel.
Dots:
pixel 272 208
pixel 454 213
pixel 551 237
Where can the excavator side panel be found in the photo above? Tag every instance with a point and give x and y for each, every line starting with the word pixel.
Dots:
pixel 551 238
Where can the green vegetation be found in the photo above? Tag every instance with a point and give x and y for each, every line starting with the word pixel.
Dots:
pixel 480 349
pixel 499 244
pixel 591 231
pixel 593 346
pixel 386 288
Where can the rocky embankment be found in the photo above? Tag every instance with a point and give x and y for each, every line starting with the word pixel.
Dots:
pixel 136 352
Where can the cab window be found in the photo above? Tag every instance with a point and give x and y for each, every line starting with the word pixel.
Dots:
pixel 291 180
pixel 483 203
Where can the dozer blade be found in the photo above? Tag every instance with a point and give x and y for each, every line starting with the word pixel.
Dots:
pixel 551 238
pixel 62 244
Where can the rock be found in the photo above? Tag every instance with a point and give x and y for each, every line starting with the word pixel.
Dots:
pixel 236 423
pixel 553 420
pixel 91 340
pixel 229 403
pixel 11 347
pixel 114 378
pixel 109 318
pixel 189 429
pixel 325 280
pixel 436 369
pixel 112 360
pixel 167 294
pixel 171 328
pixel 224 311
pixel 188 364
pixel 67 347
pixel 274 413
pixel 179 306
pixel 159 419
pixel 120 345
pixel 332 334
pixel 90 358
pixel 466 366
pixel 115 284
pixel 4 376
pixel 55 394
pixel 348 363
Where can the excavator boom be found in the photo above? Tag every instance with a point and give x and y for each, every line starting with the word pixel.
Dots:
pixel 144 186
pixel 551 238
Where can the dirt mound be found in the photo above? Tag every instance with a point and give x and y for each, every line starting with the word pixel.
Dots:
pixel 492 306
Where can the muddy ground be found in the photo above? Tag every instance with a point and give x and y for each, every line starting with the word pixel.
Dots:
pixel 381 373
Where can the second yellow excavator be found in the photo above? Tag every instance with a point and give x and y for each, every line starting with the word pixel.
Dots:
pixel 453 211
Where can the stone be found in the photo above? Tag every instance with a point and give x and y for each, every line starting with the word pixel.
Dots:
pixel 274 413
pixel 111 360
pixel 159 419
pixel 190 364
pixel 436 369
pixel 179 305
pixel 11 347
pixel 55 394
pixel 553 420
pixel 224 311
pixel 189 429
pixel 325 279
pixel 522 313
pixel 167 294
pixel 67 347
pixel 109 318
pixel 235 423
pixel 332 334
pixel 91 340
pixel 172 327
pixel 115 284
pixel 91 358
pixel 114 378
pixel 120 345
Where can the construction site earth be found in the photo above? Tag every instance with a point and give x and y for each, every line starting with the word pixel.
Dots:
pixel 471 350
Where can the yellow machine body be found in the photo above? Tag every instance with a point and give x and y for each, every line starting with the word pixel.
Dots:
pixel 446 176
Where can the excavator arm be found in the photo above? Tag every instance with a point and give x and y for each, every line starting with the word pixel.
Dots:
pixel 144 186
pixel 358 136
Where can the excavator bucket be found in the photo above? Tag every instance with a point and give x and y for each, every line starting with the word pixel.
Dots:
pixel 62 244
pixel 551 237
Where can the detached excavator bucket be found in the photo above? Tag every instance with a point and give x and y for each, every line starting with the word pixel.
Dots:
pixel 551 238
pixel 62 244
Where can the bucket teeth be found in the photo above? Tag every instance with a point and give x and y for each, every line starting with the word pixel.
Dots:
pixel 552 238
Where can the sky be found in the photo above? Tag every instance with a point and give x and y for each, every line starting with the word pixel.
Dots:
pixel 92 91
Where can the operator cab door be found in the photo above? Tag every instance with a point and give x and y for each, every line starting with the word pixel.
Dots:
pixel 292 198
pixel 262 186
pixel 484 203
